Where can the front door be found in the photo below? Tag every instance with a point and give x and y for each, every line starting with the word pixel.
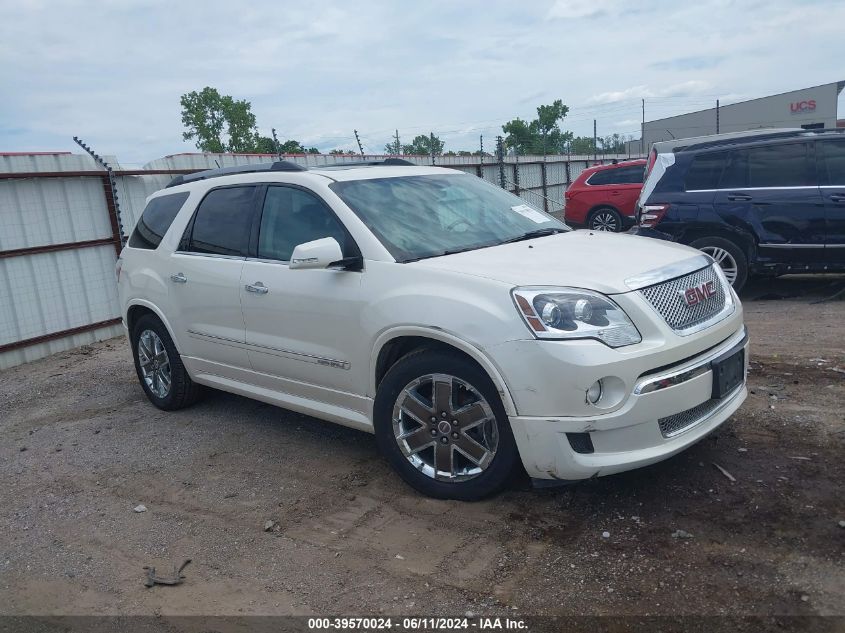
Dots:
pixel 302 326
pixel 205 275
pixel 773 190
pixel 831 155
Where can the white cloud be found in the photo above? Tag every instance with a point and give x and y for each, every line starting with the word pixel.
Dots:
pixel 113 72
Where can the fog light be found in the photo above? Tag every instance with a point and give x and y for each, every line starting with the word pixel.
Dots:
pixel 595 391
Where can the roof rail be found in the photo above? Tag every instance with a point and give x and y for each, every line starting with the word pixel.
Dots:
pixel 387 162
pixel 279 165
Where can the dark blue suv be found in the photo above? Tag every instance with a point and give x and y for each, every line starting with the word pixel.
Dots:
pixel 764 202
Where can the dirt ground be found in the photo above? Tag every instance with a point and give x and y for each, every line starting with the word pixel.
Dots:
pixel 80 447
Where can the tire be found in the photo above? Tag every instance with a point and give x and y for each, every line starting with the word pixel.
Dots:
pixel 149 334
pixel 605 219
pixel 723 251
pixel 414 446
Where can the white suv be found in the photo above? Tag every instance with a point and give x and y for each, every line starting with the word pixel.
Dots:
pixel 466 329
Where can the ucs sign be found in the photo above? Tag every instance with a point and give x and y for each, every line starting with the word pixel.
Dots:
pixel 800 107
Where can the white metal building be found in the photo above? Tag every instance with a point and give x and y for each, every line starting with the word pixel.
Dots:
pixel 810 108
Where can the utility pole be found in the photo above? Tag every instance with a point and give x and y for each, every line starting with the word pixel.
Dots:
pixel 717 116
pixel 431 146
pixel 642 133
pixel 276 145
pixel 500 155
pixel 397 146
pixel 360 147
pixel 595 142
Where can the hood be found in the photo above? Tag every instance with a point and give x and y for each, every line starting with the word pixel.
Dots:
pixel 594 260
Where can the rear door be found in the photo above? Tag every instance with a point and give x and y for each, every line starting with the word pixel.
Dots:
pixel 773 191
pixel 620 187
pixel 205 278
pixel 831 161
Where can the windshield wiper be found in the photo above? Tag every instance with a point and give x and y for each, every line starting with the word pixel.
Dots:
pixel 530 235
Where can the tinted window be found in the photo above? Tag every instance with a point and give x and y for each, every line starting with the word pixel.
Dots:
pixel 832 155
pixel 784 165
pixel 619 176
pixel 291 217
pixel 705 170
pixel 223 221
pixel 156 219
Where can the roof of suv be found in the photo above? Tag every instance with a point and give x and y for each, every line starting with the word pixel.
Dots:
pixel 357 170
pixel 738 138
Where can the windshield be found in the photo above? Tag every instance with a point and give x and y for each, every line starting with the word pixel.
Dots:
pixel 426 216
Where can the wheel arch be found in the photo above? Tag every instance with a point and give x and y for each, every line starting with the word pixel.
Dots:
pixel 396 343
pixel 139 307
pixel 741 238
pixel 603 205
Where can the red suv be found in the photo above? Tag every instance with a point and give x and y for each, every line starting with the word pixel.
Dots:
pixel 604 197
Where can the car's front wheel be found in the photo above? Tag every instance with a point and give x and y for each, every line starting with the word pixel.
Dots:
pixel 159 367
pixel 605 219
pixel 441 424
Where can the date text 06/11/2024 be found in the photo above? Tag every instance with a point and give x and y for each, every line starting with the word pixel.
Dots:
pixel 417 624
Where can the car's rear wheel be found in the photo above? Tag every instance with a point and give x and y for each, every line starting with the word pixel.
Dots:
pixel 441 424
pixel 605 219
pixel 159 367
pixel 729 256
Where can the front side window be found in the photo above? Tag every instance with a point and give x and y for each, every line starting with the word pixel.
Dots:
pixel 782 165
pixel 832 156
pixel 222 222
pixel 157 217
pixel 426 216
pixel 291 217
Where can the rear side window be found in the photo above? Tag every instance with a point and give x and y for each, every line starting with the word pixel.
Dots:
pixel 156 219
pixel 223 222
pixel 618 176
pixel 705 171
pixel 785 165
pixel 832 157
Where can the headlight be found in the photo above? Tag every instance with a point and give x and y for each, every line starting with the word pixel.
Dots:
pixel 571 313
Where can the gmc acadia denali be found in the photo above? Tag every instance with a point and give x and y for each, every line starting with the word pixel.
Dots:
pixel 467 330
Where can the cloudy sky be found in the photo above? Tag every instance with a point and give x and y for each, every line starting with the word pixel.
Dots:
pixel 113 72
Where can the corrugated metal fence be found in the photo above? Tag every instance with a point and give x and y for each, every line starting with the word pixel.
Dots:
pixel 60 235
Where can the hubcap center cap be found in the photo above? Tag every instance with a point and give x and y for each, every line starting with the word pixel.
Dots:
pixel 444 427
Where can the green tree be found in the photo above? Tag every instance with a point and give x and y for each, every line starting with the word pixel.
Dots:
pixel 422 145
pixel 292 147
pixel 540 136
pixel 582 145
pixel 218 123
pixel 265 145
pixel 337 152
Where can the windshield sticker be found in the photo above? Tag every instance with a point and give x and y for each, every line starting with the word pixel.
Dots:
pixel 531 214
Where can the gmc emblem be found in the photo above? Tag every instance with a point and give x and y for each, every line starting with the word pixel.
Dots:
pixel 697 294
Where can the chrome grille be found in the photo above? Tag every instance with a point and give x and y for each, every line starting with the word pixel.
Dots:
pixel 673 425
pixel 667 298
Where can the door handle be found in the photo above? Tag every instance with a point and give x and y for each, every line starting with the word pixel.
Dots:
pixel 738 197
pixel 258 288
pixel 179 278
pixel 838 197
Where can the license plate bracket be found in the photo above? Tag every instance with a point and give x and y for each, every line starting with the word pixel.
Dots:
pixel 728 372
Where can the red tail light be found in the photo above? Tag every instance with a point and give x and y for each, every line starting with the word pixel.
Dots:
pixel 651 214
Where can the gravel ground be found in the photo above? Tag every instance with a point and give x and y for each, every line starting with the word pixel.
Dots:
pixel 80 448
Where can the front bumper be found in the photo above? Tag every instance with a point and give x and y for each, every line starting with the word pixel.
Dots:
pixel 665 412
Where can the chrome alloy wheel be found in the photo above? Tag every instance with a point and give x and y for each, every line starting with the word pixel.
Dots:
pixel 445 428
pixel 605 221
pixel 154 362
pixel 725 260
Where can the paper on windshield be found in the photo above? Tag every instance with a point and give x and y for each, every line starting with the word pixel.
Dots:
pixel 531 214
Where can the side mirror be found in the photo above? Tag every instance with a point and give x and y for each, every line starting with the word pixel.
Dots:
pixel 317 254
